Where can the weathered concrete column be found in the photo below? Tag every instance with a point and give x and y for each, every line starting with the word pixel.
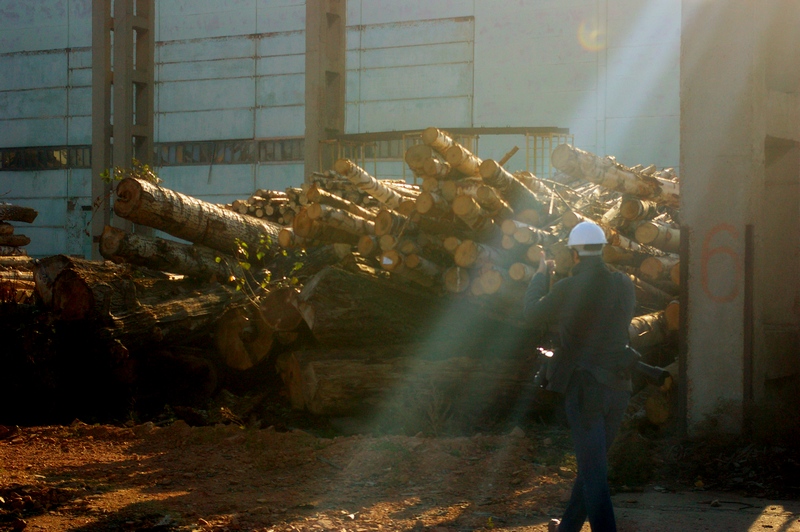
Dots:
pixel 325 79
pixel 729 173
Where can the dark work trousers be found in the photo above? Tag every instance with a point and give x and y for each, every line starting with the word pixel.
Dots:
pixel 594 413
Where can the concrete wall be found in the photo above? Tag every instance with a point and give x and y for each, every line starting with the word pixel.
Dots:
pixel 740 103
pixel 233 69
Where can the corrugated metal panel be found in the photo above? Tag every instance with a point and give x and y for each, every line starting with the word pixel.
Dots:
pixel 79 130
pixel 372 12
pixel 279 176
pixel 202 180
pixel 33 71
pixel 280 15
pixel 28 185
pixel 282 64
pixel 283 43
pixel 287 121
pixel 33 103
pixel 429 81
pixel 202 19
pixel 214 69
pixel 427 77
pixel 203 50
pixel 46 241
pixel 281 90
pixel 459 52
pixel 205 95
pixel 408 114
pixel 33 132
pixel 424 32
pixel 205 125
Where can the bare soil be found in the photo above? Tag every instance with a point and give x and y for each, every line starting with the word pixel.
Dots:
pixel 225 477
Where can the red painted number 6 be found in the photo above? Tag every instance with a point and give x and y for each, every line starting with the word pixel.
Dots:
pixel 710 253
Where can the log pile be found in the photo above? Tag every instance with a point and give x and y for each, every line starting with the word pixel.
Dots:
pixel 364 293
pixel 16 281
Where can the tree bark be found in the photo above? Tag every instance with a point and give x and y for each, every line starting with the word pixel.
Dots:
pixel 396 378
pixel 243 337
pixel 518 196
pixel 14 240
pixel 659 235
pixel 191 219
pixel 16 213
pixel 346 309
pixel 168 256
pixel 613 176
pixel 368 184
pixel 315 194
pixel 463 160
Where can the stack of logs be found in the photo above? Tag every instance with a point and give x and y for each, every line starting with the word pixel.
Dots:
pixel 366 293
pixel 16 280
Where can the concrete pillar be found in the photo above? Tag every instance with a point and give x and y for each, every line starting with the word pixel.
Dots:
pixel 128 69
pixel 734 102
pixel 325 79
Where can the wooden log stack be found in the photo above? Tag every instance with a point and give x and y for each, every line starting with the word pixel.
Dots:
pixel 353 263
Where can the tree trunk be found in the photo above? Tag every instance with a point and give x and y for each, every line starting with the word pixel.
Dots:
pixel 127 305
pixel 191 219
pixel 613 176
pixel 518 196
pixel 315 194
pixel 320 230
pixel 368 184
pixel 168 256
pixel 437 139
pixel 483 227
pixel 14 240
pixel 15 213
pixel 463 160
pixel 346 309
pixel 400 379
pixel 659 235
pixel 341 219
pixel 243 337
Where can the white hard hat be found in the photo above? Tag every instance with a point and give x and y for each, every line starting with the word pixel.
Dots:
pixel 586 233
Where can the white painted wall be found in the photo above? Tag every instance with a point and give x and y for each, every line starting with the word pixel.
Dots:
pixel 233 69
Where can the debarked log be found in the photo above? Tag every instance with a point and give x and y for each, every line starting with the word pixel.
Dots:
pixel 346 382
pixel 315 194
pixel 613 176
pixel 516 194
pixel 368 184
pixel 168 256
pixel 191 219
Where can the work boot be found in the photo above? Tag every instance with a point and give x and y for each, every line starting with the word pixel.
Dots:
pixel 552 526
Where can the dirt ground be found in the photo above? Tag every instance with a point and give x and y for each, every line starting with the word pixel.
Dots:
pixel 225 477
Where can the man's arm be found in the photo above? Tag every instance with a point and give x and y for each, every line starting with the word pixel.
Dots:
pixel 540 302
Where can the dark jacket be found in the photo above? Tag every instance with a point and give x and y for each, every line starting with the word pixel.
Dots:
pixel 592 310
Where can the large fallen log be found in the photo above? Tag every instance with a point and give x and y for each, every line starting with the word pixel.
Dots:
pixel 194 220
pixel 395 378
pixel 347 309
pixel 168 256
pixel 16 213
pixel 131 306
pixel 614 176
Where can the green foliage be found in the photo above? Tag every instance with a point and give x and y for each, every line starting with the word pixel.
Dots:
pixel 137 170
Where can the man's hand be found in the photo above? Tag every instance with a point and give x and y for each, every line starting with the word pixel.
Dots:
pixel 546 266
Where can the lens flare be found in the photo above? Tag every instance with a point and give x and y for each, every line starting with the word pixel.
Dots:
pixel 591 37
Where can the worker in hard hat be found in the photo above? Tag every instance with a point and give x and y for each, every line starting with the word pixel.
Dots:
pixel 592 309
